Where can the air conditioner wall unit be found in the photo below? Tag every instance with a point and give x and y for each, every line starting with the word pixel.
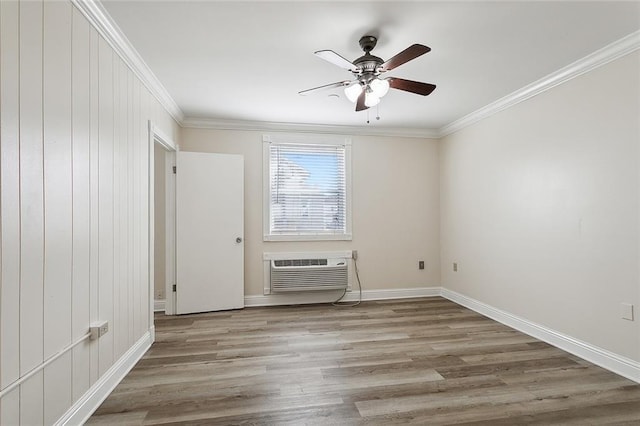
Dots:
pixel 300 272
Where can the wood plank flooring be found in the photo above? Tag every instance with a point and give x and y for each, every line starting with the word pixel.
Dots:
pixel 414 361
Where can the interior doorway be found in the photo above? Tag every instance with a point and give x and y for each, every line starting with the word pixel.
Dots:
pixel 162 151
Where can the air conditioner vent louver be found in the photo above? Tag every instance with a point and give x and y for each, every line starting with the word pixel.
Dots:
pixel 309 274
pixel 300 262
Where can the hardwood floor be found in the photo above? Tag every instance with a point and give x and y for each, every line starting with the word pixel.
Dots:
pixel 414 361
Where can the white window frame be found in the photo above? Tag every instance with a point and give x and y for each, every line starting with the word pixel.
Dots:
pixel 303 139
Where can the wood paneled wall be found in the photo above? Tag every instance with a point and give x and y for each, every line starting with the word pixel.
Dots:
pixel 74 168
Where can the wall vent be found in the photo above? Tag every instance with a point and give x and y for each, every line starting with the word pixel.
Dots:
pixel 300 262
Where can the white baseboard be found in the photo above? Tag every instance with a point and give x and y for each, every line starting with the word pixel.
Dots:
pixel 328 297
pixel 159 305
pixel 618 364
pixel 401 293
pixel 80 412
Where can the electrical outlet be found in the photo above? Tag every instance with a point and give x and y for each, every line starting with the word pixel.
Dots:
pixel 455 266
pixel 354 254
pixel 421 264
pixel 98 329
pixel 626 311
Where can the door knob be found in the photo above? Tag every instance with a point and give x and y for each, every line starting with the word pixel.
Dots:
pixel 238 240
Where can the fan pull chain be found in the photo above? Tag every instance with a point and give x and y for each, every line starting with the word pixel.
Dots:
pixel 377 114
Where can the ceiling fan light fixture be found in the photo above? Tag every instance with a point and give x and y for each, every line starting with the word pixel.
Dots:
pixel 352 91
pixel 379 87
pixel 370 99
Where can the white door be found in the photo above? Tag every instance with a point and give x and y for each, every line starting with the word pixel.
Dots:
pixel 209 232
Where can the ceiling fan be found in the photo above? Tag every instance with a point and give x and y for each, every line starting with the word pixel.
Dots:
pixel 368 86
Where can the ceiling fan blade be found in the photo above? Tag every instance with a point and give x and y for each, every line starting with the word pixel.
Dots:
pixel 325 87
pixel 335 59
pixel 406 55
pixel 360 106
pixel 416 87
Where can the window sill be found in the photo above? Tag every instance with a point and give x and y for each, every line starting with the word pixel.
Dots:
pixel 291 237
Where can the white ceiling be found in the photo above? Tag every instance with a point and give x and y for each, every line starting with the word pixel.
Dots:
pixel 247 60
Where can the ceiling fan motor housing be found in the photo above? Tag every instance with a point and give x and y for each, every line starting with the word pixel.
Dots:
pixel 368 65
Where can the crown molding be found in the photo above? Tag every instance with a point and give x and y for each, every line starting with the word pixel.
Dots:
pixel 209 123
pixel 109 30
pixel 596 59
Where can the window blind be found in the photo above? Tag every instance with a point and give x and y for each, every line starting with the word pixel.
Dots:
pixel 307 189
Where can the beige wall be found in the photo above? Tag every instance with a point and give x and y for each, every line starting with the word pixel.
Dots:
pixel 395 207
pixel 74 218
pixel 539 205
pixel 159 265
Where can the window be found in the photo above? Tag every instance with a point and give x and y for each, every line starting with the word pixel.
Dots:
pixel 306 187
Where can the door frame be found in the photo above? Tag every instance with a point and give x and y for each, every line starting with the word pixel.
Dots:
pixel 157 136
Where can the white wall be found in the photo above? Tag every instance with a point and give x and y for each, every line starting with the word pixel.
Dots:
pixel 540 207
pixel 395 207
pixel 74 212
